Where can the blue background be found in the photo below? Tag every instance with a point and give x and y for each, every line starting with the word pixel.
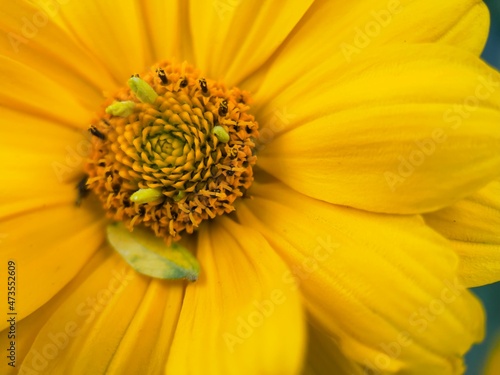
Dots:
pixel 490 294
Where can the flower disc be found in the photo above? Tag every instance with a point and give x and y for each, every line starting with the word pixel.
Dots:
pixel 172 150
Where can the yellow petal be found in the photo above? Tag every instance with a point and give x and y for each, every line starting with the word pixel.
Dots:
pixel 239 317
pixel 34 39
pixel 86 328
pixel 38 158
pixel 154 325
pixel 25 89
pixel 406 129
pixel 95 324
pixel 336 34
pixel 49 247
pixel 28 133
pixel 115 33
pixel 31 325
pixel 167 27
pixel 233 38
pixel 324 357
pixel 493 364
pixel 473 226
pixel 384 286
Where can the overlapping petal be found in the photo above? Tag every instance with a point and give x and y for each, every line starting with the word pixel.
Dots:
pixel 49 247
pixel 51 156
pixel 114 33
pixel 233 38
pixel 473 226
pixel 38 217
pixel 107 305
pixel 239 317
pixel 32 35
pixel 27 90
pixel 325 357
pixel 32 324
pixel 340 32
pixel 111 306
pixel 95 312
pixel 167 28
pixel 425 133
pixel 153 326
pixel 385 286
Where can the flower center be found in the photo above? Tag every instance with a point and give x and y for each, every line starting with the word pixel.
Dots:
pixel 172 150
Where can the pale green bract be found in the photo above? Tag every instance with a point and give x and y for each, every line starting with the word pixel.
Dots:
pixel 149 255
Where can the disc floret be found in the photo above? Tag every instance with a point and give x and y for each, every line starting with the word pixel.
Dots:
pixel 174 149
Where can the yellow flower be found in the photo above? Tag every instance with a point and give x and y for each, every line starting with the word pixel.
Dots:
pixel 375 203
